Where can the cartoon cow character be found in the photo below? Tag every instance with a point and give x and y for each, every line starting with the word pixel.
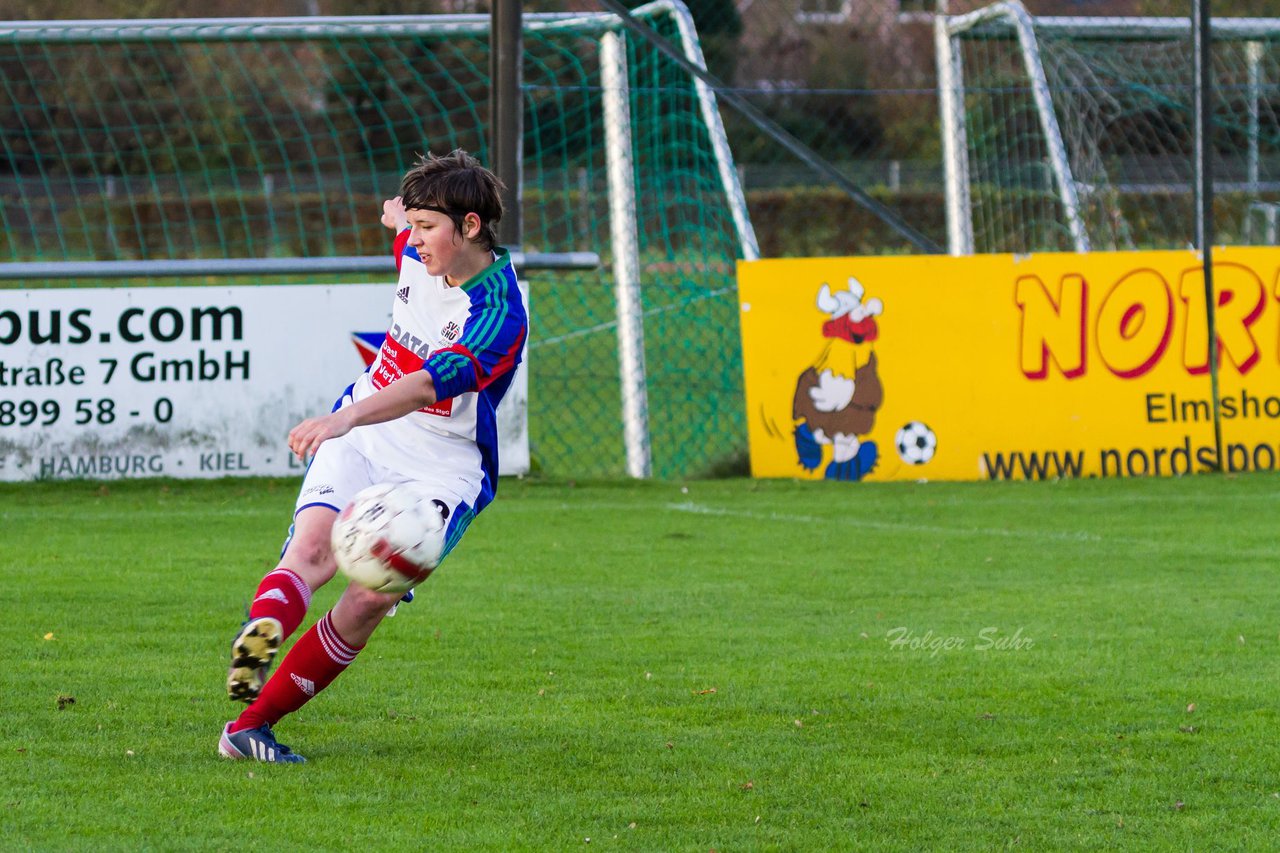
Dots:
pixel 837 398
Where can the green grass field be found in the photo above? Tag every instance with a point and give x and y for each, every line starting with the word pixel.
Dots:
pixel 728 665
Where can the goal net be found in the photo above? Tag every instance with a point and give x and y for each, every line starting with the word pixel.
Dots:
pixel 1067 133
pixel 278 138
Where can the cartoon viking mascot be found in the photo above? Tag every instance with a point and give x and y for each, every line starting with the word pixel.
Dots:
pixel 837 398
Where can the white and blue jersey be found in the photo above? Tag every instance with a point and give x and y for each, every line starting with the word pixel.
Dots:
pixel 470 339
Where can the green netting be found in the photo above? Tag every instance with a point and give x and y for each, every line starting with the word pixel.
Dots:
pixel 1122 96
pixel 163 140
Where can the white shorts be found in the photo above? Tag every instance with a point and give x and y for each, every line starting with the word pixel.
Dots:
pixel 339 471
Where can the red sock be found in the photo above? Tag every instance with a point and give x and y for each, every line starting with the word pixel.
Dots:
pixel 282 595
pixel 319 656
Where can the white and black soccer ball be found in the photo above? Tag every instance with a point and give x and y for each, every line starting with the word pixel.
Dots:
pixel 916 443
pixel 390 537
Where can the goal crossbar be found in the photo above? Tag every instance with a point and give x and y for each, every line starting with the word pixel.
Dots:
pixel 286 28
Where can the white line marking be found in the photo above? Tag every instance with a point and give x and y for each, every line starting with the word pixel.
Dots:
pixel 701 509
pixel 1069 536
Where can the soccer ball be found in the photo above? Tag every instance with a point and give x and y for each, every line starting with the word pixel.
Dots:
pixel 390 537
pixel 916 443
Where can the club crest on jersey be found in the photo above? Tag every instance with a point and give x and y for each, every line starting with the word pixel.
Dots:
pixel 450 331
pixel 403 294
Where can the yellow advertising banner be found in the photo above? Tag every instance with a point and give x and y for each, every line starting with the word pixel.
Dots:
pixel 1009 367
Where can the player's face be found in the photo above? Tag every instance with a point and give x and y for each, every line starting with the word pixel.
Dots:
pixel 436 240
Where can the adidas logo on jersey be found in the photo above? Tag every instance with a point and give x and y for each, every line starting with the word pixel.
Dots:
pixel 403 294
pixel 306 685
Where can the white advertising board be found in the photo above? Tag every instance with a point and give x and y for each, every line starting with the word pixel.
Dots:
pixel 188 381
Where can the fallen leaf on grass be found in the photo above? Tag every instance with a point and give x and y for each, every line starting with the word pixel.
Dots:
pixel 1191 709
pixel 64 701
pixel 705 692
pixel 748 786
pixel 49 636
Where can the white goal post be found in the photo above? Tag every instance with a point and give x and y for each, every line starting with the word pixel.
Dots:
pixel 956 156
pixel 1064 89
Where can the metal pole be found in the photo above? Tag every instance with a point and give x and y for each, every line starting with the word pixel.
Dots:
pixel 506 110
pixel 729 176
pixel 185 268
pixel 955 146
pixel 1058 160
pixel 1253 55
pixel 1202 92
pixel 625 241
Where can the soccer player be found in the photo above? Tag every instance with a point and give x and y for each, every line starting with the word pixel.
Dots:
pixel 424 412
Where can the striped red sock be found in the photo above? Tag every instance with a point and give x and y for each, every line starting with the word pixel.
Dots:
pixel 319 656
pixel 283 596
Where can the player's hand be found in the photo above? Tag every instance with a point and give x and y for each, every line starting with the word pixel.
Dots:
pixel 305 439
pixel 393 214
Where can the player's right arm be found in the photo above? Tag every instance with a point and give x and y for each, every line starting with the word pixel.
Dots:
pixel 402 396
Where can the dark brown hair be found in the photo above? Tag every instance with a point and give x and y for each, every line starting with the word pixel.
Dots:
pixel 455 185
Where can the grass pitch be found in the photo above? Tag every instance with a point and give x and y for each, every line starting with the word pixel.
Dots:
pixel 725 664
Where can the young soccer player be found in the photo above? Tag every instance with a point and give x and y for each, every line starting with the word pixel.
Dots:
pixel 424 411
